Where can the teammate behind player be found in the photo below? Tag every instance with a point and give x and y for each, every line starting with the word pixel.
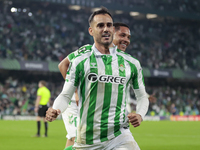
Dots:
pixel 102 80
pixel 43 97
pixel 121 38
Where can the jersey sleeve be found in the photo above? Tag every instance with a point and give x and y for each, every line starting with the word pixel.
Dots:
pixel 72 55
pixel 63 99
pixel 81 50
pixel 139 90
pixel 137 78
pixel 71 82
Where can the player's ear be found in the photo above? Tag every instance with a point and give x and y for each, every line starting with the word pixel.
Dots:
pixel 90 31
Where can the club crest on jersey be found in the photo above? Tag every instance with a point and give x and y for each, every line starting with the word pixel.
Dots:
pixel 93 77
pixel 121 67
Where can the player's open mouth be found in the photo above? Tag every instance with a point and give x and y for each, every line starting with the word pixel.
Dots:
pixel 106 35
pixel 123 45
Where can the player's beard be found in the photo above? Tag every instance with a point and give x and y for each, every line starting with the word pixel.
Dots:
pixel 107 43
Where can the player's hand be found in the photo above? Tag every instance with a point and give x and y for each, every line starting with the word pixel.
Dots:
pixel 135 119
pixel 36 109
pixel 152 98
pixel 52 114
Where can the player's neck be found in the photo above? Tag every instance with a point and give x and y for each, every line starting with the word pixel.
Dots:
pixel 103 49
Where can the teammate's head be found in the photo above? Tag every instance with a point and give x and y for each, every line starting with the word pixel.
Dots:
pixel 41 83
pixel 101 27
pixel 122 35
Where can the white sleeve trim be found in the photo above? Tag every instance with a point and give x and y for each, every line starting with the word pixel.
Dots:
pixel 63 99
pixel 142 102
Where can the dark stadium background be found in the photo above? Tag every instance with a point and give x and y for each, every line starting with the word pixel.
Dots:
pixel 35 35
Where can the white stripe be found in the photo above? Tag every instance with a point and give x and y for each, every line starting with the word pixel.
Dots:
pixel 114 96
pixel 99 102
pixel 81 128
pixel 137 65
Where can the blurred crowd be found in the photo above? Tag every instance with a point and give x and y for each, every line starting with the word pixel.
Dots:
pixel 175 100
pixel 49 32
pixel 188 6
pixel 18 98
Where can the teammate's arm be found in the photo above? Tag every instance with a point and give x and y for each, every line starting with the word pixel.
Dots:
pixel 63 66
pixel 152 98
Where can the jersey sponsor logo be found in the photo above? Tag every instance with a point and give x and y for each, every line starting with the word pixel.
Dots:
pixel 93 77
pixel 93 65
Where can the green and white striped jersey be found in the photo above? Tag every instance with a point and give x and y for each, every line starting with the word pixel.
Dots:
pixel 81 50
pixel 102 82
pixel 71 57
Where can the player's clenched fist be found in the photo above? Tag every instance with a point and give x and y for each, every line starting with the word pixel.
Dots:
pixel 52 114
pixel 135 119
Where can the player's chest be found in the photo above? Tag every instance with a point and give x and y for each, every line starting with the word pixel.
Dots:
pixel 108 70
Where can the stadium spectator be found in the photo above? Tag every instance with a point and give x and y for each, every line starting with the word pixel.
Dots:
pixel 42 36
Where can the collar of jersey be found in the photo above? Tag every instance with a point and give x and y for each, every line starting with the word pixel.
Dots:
pixel 112 50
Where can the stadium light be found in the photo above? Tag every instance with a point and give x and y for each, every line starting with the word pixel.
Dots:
pixel 13 9
pixel 119 12
pixel 24 10
pixel 30 14
pixel 134 13
pixel 19 9
pixel 151 16
pixel 75 7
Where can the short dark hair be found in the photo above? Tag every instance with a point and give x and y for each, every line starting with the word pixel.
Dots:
pixel 103 10
pixel 117 25
pixel 43 82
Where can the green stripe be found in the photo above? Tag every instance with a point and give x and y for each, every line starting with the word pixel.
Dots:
pixel 92 103
pixel 120 96
pixel 134 76
pixel 107 98
pixel 80 73
pixel 143 78
pixel 71 56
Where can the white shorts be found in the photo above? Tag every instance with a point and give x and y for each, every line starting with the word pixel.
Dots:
pixel 124 141
pixel 70 120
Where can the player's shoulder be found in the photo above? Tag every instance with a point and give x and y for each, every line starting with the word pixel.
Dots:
pixel 82 53
pixel 127 56
pixel 84 49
